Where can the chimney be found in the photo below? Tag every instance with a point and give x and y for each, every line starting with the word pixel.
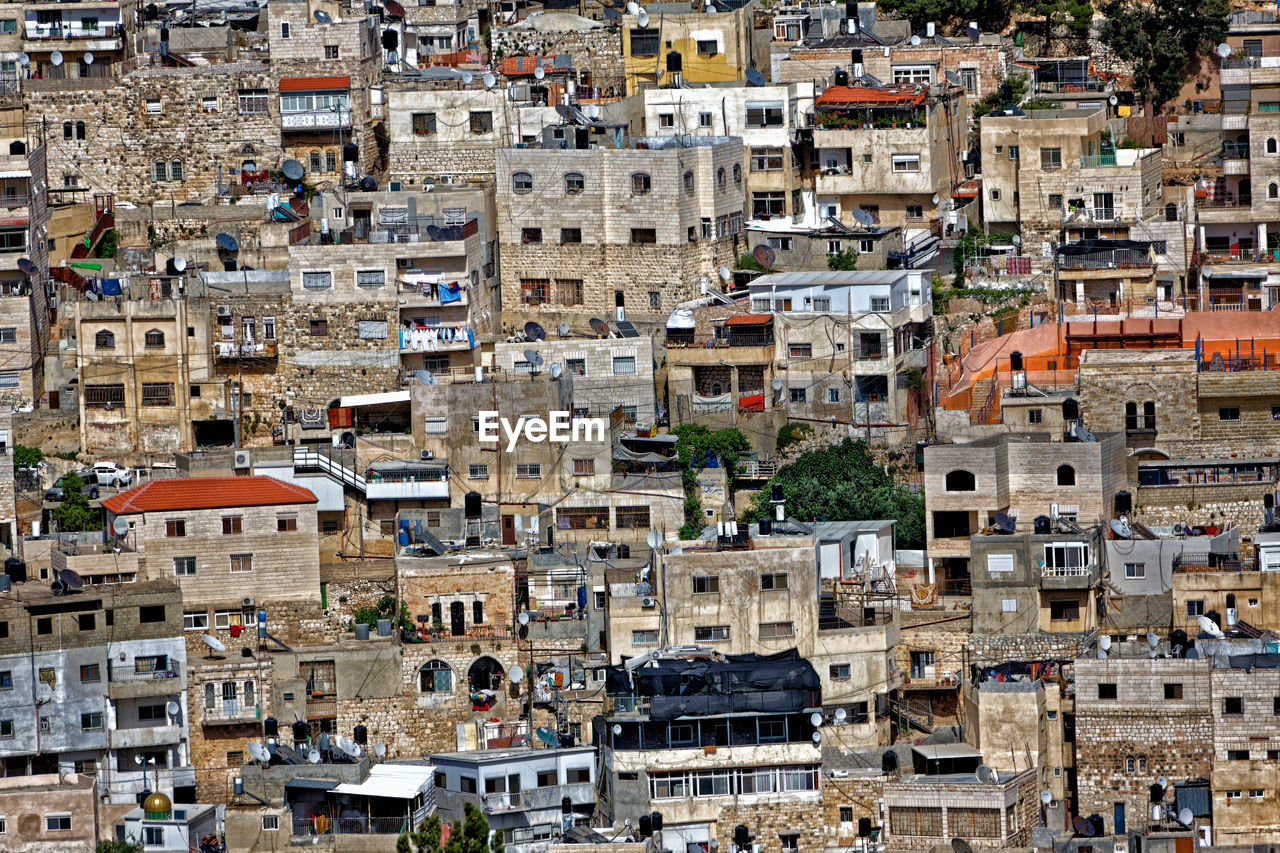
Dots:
pixel 867 17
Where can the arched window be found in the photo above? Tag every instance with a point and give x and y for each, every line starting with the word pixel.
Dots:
pixel 104 340
pixel 210 700
pixel 715 389
pixel 1273 191
pixel 17 148
pixel 249 694
pixel 1142 764
pixel 1130 416
pixel 1066 475
pixel 1170 212
pixel 316 162
pixel 521 183
pixel 1130 764
pixel 176 171
pixel 737 175
pixel 160 171
pixel 435 677
pixel 720 178
pixel 331 161
pixel 248 148
pixel 80 130
pixel 574 183
pixel 640 183
pixel 67 130
pixel 688 182
pixel 1271 145
pixel 477 612
pixel 154 338
pixel 961 481
pixel 1149 415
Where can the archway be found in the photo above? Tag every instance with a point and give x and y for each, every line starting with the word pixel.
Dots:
pixel 485 674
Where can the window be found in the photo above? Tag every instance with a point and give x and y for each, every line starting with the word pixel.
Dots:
pixel 157 393
pixel 1106 690
pixel 776 630
pixel 624 365
pixel 644 638
pixel 706 584
pixel 268 333
pixel 1256 793
pixel 6 680
pixel 906 162
pixel 522 183
pixel 153 108
pixel 241 563
pixel 253 101
pixel 86 621
pixel 232 524
pixel 800 350
pixel 195 621
pixel 529 471
pixel 91 722
pixel 1228 413
pixel 435 677
pixel 533 291
pixel 369 278
pixel 224 619
pixel 8 335
pixel 781 244
pixel 286 523
pixel 57 823
pixel 708 47
pixel 632 517
pixel 764 160
pixel 640 183
pixel 320 280
pixel 1173 691
pixel 584 467
pixel 711 633
pixel 1064 610
pixel 574 184
pixel 764 115
pixel 90 672
pixel 915 211
pixel 644 41
pixel 319 328
pixel 995 194
pixel 284 29
pixel 372 330
pixel 104 340
pixel 790 842
pixel 270 822
pixel 481 121
pixel 1069 558
pixel 912 74
pixel 960 481
pixel 765 205
pixel 6 729
pixel 1195 607
pixel 1237 755
pixel 666 120
pixel 916 820
pixel 154 339
pixel 1035 416
pixel 644 236
pixel 1232 706
pixel 424 124
pixel 176 171
pixel 1050 159
pixel 1066 475
pixel 798 395
pixel 151 613
pixel 1013 152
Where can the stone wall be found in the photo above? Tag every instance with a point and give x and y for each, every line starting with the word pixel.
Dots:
pixel 1209 503
pixel 796 815
pixel 984 650
pixel 598 50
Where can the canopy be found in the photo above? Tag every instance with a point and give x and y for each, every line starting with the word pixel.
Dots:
pixel 398 781
pixel 374 399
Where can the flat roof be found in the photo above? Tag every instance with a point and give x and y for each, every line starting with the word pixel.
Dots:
pixel 934 751
pixel 841 277
pixel 512 754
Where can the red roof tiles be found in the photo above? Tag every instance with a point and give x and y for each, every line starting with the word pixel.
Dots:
pixel 206 493
pixel 313 84
pixel 749 320
pixel 843 96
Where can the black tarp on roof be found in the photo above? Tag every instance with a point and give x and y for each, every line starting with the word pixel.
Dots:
pixel 1269 660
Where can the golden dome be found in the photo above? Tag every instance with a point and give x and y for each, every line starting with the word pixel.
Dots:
pixel 157 806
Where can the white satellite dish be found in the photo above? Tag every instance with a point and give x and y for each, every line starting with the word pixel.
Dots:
pixel 642 18
pixel 1224 50
pixel 1104 643
pixel 915 41
pixel 986 775
pixel 489 80
pixel 556 370
pixel 517 674
pixel 380 749
pixel 1046 797
pixel 776 383
pixel 841 715
pixel 1210 627
pixel 172 708
pixel 523 618
pixel 1113 100
pixel 56 57
pixel 120 527
pixel 1152 639
pixel 179 263
pixel 88 59
pixel 936 199
pixel 539 73
pixel 725 275
pixel 593 111
pixel 24 59
pixel 1102 654
pixel 617 729
pixel 352 748
pixel 1185 817
pixel 467 78
pixel 314 756
pixel 1162 782
pixel 213 642
pixel 258 751
pixel 816 718
pixel 633 7
pixel 654 539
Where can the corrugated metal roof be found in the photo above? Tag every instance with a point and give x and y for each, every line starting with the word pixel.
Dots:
pixel 863 95
pixel 399 781
pixel 207 493
pixel 312 84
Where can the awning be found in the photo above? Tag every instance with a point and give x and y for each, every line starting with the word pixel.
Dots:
pixel 313 784
pixel 399 781
pixel 16 173
pixel 749 320
pixel 313 84
pixel 373 399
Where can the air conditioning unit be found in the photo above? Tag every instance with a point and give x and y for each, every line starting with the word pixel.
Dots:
pixel 241 459
pixel 403 263
pixel 247 603
pixel 428 455
pixel 224 311
pixel 394 186
pixel 648 603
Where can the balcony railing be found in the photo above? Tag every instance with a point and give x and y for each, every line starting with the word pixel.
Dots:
pixel 1065 571
pixel 127 674
pixel 316 120
pixel 760 339
pixel 426 230
pixel 353 825
pixel 68 32
pixel 1106 259
pixel 1098 161
pixel 230 711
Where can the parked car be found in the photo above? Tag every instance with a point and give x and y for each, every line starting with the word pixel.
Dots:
pixel 112 474
pixel 58 492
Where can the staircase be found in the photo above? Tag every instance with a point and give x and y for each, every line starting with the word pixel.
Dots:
pixel 985 406
pixel 911 717
pixel 106 221
pixel 323 459
pixel 66 275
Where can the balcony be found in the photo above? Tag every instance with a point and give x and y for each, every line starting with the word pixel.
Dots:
pixel 440 338
pixel 1067 577
pixel 309 120
pixel 148 737
pixel 353 823
pixel 230 712
pixel 125 683
pixel 424 293
pixel 229 353
pixel 426 229
pixel 390 481
pixel 538 798
pixel 41 39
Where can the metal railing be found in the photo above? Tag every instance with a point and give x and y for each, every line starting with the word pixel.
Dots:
pixel 1098 161
pixel 120 676
pixel 316 120
pixel 309 457
pixel 1066 571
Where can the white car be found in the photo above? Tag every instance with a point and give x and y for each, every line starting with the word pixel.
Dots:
pixel 111 474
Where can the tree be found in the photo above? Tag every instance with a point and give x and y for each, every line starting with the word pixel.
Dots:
pixel 427 839
pixel 74 513
pixel 990 14
pixel 845 260
pixel 472 835
pixel 1160 37
pixel 790 433
pixel 844 483
pixel 695 447
pixel 26 457
pixel 119 847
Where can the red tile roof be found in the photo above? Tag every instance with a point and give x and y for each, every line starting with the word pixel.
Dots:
pixel 313 84
pixel 516 66
pixel 863 95
pixel 749 320
pixel 206 493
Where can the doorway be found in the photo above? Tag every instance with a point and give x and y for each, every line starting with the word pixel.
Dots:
pixel 457 619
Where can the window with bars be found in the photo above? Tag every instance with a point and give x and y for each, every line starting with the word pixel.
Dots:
pixel 153 339
pixel 157 393
pixel 582 518
pixel 644 41
pixel 372 330
pixel 632 517
pixel 424 124
pixel 915 820
pixel 776 630
pixel 529 471
pixel 533 291
pixel 974 823
pixel 371 278
pixel 253 101
pixel 104 395
pixel 320 280
pixel 569 291
pixel 766 159
pixel 584 467
pixel 481 122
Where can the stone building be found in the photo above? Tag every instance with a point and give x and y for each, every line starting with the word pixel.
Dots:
pixel 93 39
pixel 593 47
pixel 1032 583
pixel 607 373
pixel 1242 781
pixel 712 46
pixel 1137 720
pixel 445 131
pixel 586 224
pixel 50 811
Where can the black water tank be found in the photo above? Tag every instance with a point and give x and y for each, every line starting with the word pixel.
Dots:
pixel 350 153
pixel 775 492
pixel 1269 500
pixel 566 805
pixel 1123 503
pixel 841 77
pixel 889 762
pixel 1157 793
pixel 1178 638
pixel 646 826
pixel 16 570
pixel 1215 616
pixel 1042 525
pixel 390 39
pixel 1015 360
pixel 741 836
pixel 299 732
pixel 471 504
pixel 766 525
pixel 361 735
pixel 567 740
pixel 864 827
pixel 1070 409
pixel 1099 826
pixel 270 727
pixel 656 817
pixel 675 63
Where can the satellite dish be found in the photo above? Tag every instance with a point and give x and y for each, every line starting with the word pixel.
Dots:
pixel 617 729
pixel 1152 639
pixel 642 18
pixel 1083 826
pixel 936 199
pixel 817 737
pixel 1113 100
pixel 1046 797
pixel 816 718
pixel 1162 782
pixel 351 748
pixel 1102 655
pixel 959 845
pixel 764 255
pixel 1210 627
pixel 534 332
pixel 633 7
pixel 776 383
pixel 1152 654
pixel 258 751
pixel 213 642
pixel 725 275
pixel 227 243
pixel 539 73
pixel 755 78
pixel 597 325
pixel 532 357
pixel 863 218
pixel 1185 817
pixel 556 370
pixel 392 57
pixel 523 618
pixel 323 17
pixel 24 59
pixel 394 7
pixel 179 263
pixel 27 266
pixel 517 674
pixel 1104 642
pixel 952 77
pixel 70 579
pixel 1193 654
pixel 324 742
pixel 548 737
pixel 1224 50
pixel 1119 528
pixel 467 77
pixel 986 775
pixel 488 79
pixel 593 111
pixel 56 57
pixel 292 170
pixel 841 715
pixel 88 59
pixel 172 708
pixel 915 41
pixel 1004 523
pixel 314 756
pixel 1017 239
pixel 120 527
pixel 654 539
pixel 379 749
pixel 563 329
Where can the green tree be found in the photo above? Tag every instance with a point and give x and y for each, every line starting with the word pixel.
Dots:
pixel 790 433
pixel 1158 38
pixel 990 14
pixel 384 609
pixel 403 845
pixel 843 482
pixel 695 446
pixel 119 847
pixel 472 835
pixel 845 260
pixel 27 457
pixel 74 513
pixel 427 839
